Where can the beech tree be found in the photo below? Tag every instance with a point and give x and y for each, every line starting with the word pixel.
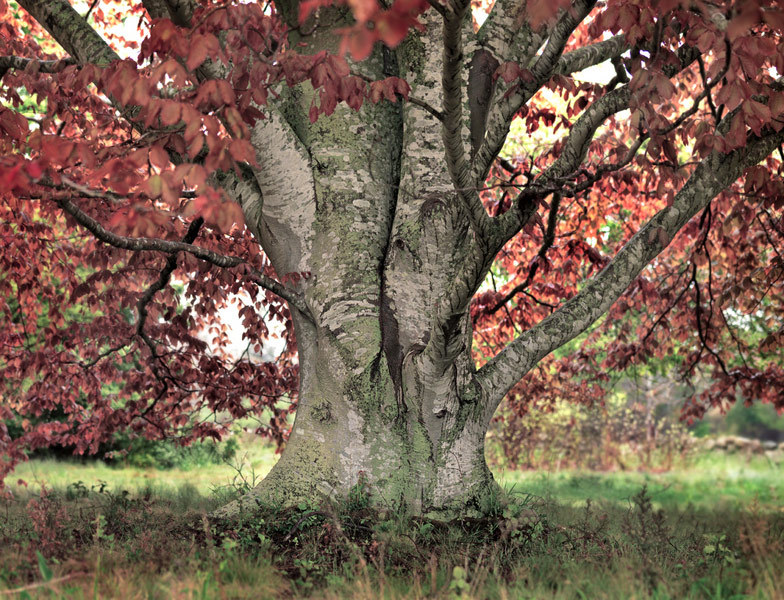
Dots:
pixel 341 164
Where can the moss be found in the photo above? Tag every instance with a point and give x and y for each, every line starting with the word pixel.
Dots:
pixel 373 393
pixel 321 410
pixel 294 108
pixel 350 250
pixel 411 57
pixel 421 447
pixel 346 128
pixel 411 233
pixel 302 474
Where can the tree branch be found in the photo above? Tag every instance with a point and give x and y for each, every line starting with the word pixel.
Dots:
pixel 502 228
pixel 179 11
pixel 712 175
pixel 43 66
pixel 71 30
pixel 576 148
pixel 588 56
pixel 453 122
pixel 547 242
pixel 574 151
pixel 507 35
pixel 80 40
pixel 172 247
pixel 163 279
pixel 503 112
pixel 496 232
pixel 141 309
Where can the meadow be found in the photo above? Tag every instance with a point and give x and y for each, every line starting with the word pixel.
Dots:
pixel 711 528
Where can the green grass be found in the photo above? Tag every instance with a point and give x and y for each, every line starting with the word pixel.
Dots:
pixel 254 459
pixel 134 533
pixel 707 481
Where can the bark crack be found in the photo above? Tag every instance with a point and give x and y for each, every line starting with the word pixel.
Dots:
pixel 388 324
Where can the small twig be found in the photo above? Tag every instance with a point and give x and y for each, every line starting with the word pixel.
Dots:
pixel 39 584
pixel 412 99
pixel 172 247
pixel 706 93
pixel 141 307
pixel 90 10
pixel 547 242
pixel 698 315
pixel 665 313
pixel 538 301
pixel 303 518
pixel 44 66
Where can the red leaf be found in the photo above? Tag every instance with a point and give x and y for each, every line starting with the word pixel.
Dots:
pixel 360 43
pixel 13 124
pixel 170 113
pixel 363 9
pixel 509 71
pixel 198 53
pixel 242 151
pixel 159 158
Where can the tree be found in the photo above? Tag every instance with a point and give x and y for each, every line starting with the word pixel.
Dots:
pixel 359 144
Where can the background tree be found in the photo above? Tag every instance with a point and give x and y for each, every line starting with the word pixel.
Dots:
pixel 359 145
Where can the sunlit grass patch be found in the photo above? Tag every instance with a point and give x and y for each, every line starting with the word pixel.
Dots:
pixel 255 460
pixel 733 482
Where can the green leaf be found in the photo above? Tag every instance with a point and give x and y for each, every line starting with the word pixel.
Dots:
pixel 46 572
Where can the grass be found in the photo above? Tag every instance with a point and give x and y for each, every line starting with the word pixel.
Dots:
pixel 712 529
pixel 255 459
pixel 707 481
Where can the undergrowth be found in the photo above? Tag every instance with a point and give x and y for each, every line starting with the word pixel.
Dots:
pixel 82 542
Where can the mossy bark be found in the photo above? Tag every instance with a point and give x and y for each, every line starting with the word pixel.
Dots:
pixel 363 202
pixel 418 445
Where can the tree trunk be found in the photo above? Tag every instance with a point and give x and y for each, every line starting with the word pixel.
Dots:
pixel 366 207
pixel 419 443
pixel 380 209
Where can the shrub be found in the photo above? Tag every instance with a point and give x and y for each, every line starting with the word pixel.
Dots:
pixel 168 454
pixel 617 435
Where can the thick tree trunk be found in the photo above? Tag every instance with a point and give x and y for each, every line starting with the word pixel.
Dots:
pixel 364 203
pixel 420 446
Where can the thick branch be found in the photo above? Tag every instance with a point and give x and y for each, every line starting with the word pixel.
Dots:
pixel 453 122
pixel 502 114
pixel 574 151
pixel 43 66
pixel 70 30
pixel 548 60
pixel 711 176
pixel 575 148
pixel 588 56
pixel 507 34
pixel 179 11
pixel 172 247
pixel 491 235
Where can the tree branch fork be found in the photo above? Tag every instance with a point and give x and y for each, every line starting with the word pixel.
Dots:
pixel 171 247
